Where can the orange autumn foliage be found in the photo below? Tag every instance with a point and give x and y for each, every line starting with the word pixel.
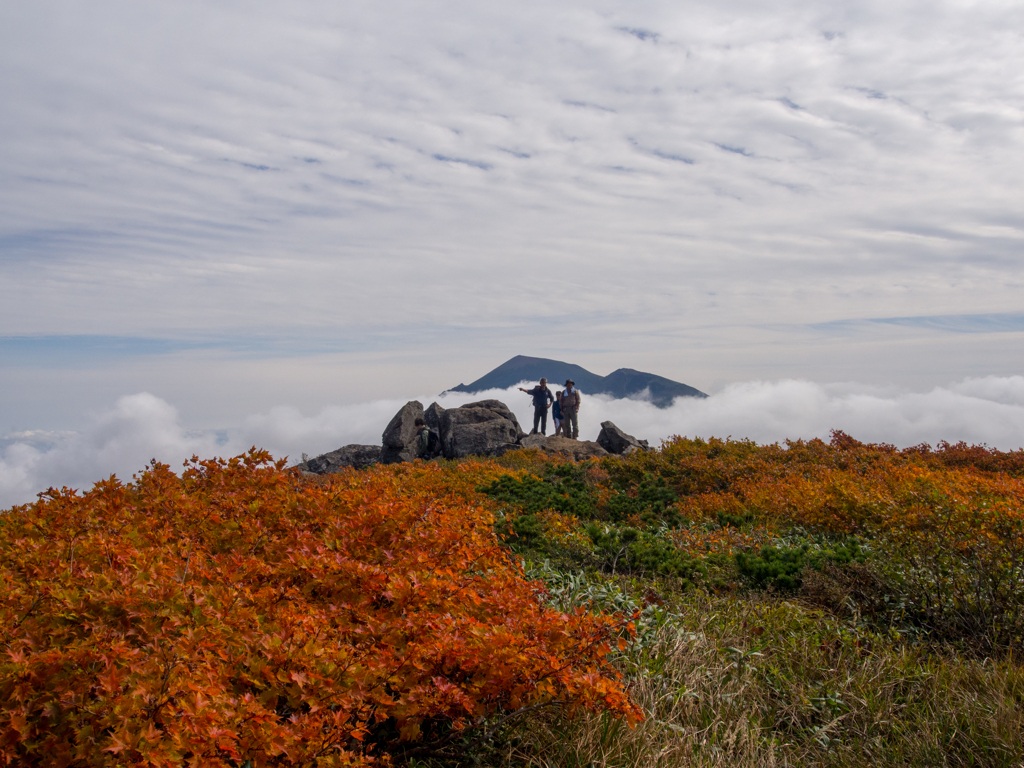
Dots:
pixel 240 615
pixel 944 527
pixel 850 487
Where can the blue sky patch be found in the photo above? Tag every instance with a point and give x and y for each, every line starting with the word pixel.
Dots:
pixel 463 161
pixel 734 150
pixel 640 34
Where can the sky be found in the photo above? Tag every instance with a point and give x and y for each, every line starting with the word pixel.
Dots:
pixel 215 212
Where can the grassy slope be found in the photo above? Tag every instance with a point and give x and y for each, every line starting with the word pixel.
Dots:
pixel 881 658
pixel 759 681
pixel 815 604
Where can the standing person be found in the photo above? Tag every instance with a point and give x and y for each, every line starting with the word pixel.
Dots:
pixel 542 399
pixel 556 413
pixel 570 409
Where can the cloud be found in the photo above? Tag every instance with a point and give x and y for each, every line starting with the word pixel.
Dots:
pixel 1007 390
pixel 156 170
pixel 140 427
pixel 690 189
pixel 121 440
pixel 989 410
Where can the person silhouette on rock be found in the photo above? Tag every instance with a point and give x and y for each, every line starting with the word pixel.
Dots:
pixel 542 400
pixel 570 409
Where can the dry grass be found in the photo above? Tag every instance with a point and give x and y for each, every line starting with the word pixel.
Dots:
pixel 763 682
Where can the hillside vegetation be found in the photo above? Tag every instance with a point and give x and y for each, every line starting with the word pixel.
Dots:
pixel 709 603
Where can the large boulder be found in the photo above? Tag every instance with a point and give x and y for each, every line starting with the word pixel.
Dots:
pixel 484 428
pixel 357 456
pixel 614 440
pixel 399 437
pixel 577 449
pixel 433 416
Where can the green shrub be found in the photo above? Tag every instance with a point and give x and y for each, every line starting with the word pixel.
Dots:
pixel 522 532
pixel 632 551
pixel 779 568
pixel 562 489
pixel 652 503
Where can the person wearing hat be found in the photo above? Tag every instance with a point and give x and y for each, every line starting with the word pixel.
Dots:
pixel 570 407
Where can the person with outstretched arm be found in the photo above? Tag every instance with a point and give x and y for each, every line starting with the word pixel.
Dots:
pixel 542 400
pixel 570 409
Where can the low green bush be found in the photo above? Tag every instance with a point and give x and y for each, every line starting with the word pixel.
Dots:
pixel 562 489
pixel 632 551
pixel 522 532
pixel 779 568
pixel 652 503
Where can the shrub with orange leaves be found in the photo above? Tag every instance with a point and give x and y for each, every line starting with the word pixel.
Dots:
pixel 946 525
pixel 240 615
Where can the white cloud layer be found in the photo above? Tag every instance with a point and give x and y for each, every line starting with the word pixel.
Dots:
pixel 124 438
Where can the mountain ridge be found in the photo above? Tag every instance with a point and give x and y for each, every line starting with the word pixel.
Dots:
pixel 621 383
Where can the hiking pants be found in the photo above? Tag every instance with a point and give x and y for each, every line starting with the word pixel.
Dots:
pixel 570 426
pixel 540 416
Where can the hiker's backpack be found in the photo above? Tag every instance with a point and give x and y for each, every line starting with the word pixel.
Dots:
pixel 429 442
pixel 433 442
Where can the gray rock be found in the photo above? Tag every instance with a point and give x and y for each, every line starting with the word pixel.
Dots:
pixel 614 440
pixel 433 416
pixel 484 428
pixel 357 456
pixel 577 449
pixel 534 441
pixel 399 436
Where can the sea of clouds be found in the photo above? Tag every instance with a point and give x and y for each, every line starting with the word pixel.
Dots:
pixel 141 427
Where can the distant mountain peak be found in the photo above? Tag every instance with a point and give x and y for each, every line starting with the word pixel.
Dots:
pixel 621 383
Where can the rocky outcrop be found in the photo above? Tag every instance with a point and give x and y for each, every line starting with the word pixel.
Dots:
pixel 357 456
pixel 614 440
pixel 484 428
pixel 399 436
pixel 578 449
pixel 433 416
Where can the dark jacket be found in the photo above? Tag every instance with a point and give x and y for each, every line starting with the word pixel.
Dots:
pixel 427 441
pixel 541 396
